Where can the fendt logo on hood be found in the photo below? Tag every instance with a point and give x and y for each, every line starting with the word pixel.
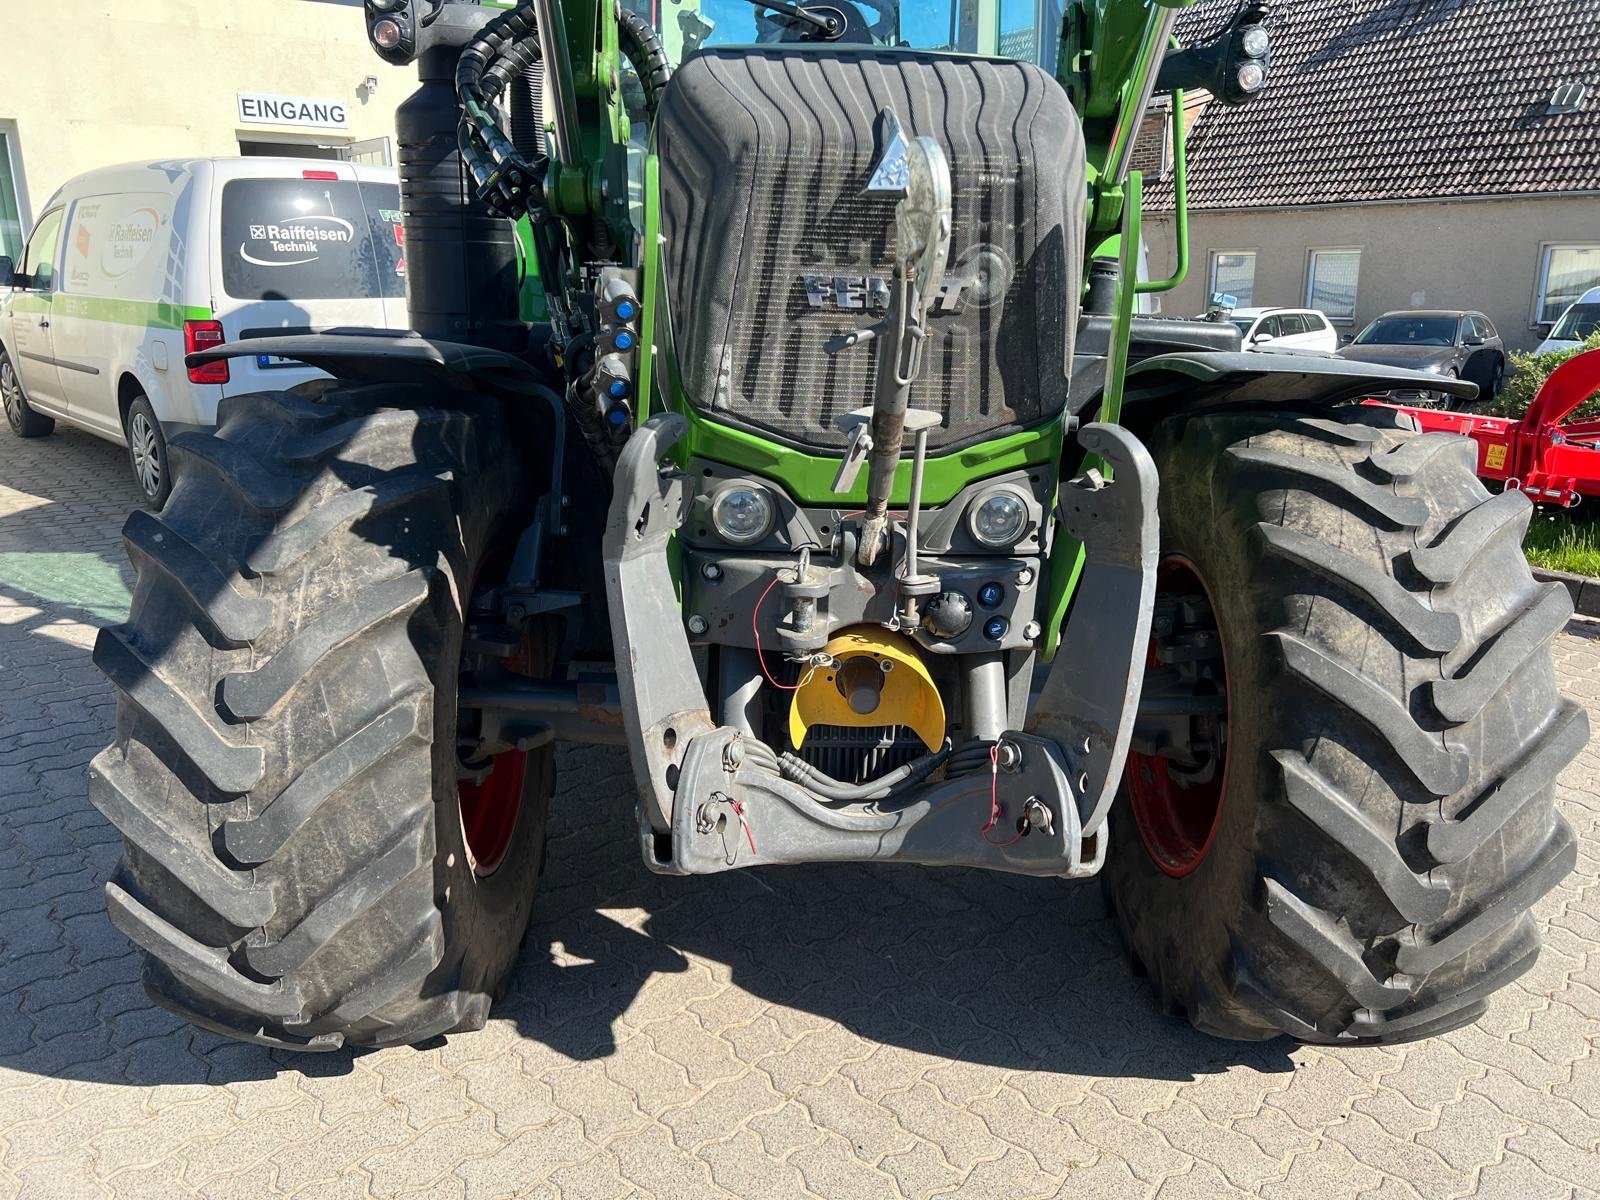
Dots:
pixel 296 241
pixel 855 292
pixel 870 293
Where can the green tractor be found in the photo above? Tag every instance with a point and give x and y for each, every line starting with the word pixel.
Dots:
pixel 779 405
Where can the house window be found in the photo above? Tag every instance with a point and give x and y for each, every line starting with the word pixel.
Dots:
pixel 1233 273
pixel 10 210
pixel 1333 279
pixel 1565 273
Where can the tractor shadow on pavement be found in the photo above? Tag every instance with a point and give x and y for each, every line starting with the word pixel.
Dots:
pixel 1005 971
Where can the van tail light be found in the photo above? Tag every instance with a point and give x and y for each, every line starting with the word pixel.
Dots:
pixel 319 174
pixel 202 335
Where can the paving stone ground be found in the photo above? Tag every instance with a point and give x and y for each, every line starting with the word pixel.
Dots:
pixel 839 1033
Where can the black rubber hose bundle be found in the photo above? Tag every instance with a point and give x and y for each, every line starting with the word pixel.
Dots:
pixel 502 34
pixel 644 52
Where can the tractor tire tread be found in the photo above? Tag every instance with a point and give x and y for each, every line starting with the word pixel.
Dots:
pixel 234 469
pixel 1430 628
pixel 250 695
pixel 1415 897
pixel 1462 697
pixel 229 767
pixel 256 839
pixel 282 549
pixel 1439 767
pixel 237 619
pixel 276 793
pixel 1454 553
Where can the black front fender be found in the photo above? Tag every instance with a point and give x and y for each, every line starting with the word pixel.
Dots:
pixel 1201 380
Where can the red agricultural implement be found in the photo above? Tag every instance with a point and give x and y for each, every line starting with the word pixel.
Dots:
pixel 1552 462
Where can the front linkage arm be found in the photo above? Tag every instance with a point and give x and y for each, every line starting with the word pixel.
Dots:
pixel 712 798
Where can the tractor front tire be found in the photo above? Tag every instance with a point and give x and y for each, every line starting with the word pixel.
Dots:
pixel 1361 868
pixel 296 864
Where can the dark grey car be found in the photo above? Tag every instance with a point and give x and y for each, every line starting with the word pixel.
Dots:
pixel 1453 342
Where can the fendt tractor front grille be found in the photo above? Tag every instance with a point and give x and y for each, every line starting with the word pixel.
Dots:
pixel 773 248
pixel 830 273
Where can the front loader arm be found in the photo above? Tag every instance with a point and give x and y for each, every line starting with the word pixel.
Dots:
pixel 1112 69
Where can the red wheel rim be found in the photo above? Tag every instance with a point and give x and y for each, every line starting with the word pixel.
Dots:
pixel 489 811
pixel 1177 820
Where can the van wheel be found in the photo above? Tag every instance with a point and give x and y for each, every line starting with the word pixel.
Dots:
pixel 147 453
pixel 20 416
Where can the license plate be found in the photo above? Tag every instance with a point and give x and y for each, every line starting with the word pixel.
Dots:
pixel 268 362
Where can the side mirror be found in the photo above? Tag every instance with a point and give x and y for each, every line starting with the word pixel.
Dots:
pixel 8 271
pixel 1261 339
pixel 1473 341
pixel 1347 338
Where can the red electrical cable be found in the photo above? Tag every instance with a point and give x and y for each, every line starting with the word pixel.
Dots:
pixel 755 628
pixel 749 834
pixel 994 800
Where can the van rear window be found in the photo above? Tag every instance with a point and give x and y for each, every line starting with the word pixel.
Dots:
pixel 311 239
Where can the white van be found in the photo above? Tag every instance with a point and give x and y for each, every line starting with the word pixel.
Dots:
pixel 1576 326
pixel 1285 330
pixel 129 268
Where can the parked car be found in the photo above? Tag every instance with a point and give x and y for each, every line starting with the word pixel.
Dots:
pixel 1451 342
pixel 1576 326
pixel 1285 330
pixel 129 268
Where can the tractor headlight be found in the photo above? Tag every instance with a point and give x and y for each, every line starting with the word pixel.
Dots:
pixel 1255 42
pixel 742 513
pixel 999 518
pixel 1252 77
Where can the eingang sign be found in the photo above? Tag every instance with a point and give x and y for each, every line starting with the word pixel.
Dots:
pixel 259 108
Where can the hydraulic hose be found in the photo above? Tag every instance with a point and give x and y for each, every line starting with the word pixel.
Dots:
pixel 912 773
pixel 972 756
pixel 492 41
pixel 639 42
pixel 508 180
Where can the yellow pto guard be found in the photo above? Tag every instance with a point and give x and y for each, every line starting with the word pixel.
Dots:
pixel 877 679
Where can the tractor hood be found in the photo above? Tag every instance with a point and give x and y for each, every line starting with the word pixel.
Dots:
pixel 775 245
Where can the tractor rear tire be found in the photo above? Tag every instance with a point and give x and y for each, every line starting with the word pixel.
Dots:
pixel 1393 734
pixel 285 776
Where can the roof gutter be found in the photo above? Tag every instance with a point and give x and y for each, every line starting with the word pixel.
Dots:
pixel 1200 210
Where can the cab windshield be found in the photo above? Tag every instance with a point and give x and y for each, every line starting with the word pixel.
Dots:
pixel 1021 29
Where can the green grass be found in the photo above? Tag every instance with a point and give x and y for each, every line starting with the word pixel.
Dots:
pixel 1565 541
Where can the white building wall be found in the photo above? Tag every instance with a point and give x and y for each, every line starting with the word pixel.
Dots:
pixel 89 83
